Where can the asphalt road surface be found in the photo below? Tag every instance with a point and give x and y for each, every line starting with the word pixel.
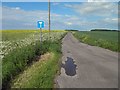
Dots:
pixel 94 67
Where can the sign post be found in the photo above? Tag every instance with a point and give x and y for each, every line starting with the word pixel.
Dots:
pixel 49 18
pixel 40 25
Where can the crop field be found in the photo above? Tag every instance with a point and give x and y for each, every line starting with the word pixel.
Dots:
pixel 12 39
pixel 19 48
pixel 104 39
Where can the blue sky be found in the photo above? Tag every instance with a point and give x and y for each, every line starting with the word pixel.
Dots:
pixel 28 6
pixel 64 15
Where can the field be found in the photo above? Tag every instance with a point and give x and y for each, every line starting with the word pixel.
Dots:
pixel 29 63
pixel 20 48
pixel 104 39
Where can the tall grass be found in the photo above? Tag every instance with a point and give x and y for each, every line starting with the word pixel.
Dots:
pixel 17 59
pixel 42 73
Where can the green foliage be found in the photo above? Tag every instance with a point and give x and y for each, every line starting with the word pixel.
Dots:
pixel 105 39
pixel 21 47
pixel 45 76
pixel 15 61
pixel 44 71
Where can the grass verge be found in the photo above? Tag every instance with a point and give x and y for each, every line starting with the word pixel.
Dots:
pixel 16 61
pixel 39 75
pixel 107 40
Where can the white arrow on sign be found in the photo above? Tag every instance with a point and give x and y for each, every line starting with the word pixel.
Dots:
pixel 40 24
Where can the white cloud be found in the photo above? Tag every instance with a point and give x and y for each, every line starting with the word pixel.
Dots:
pixel 68 23
pixel 21 19
pixel 97 0
pixel 18 18
pixel 17 8
pixel 111 20
pixel 95 14
pixel 55 3
pixel 95 8
pixel 0 17
pixel 103 0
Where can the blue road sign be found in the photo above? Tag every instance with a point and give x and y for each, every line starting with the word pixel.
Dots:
pixel 40 24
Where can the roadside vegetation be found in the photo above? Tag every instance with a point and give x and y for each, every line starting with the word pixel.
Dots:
pixel 40 74
pixel 104 39
pixel 21 52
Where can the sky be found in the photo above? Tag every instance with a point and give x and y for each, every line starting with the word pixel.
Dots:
pixel 82 16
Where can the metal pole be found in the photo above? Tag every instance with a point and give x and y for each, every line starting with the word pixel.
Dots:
pixel 41 40
pixel 49 17
pixel 40 35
